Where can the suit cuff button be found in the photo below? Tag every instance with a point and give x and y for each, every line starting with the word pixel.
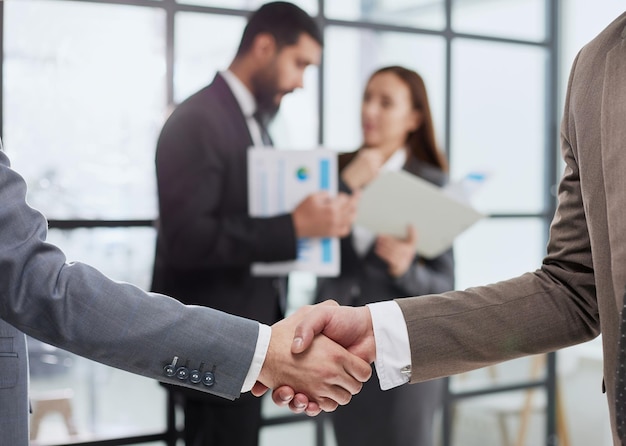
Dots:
pixel 195 377
pixel 170 369
pixel 208 379
pixel 182 373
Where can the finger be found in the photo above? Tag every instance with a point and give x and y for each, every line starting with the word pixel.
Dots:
pixel 411 235
pixel 359 370
pixel 327 404
pixel 316 319
pixel 258 389
pixel 341 395
pixel 342 199
pixel 338 393
pixel 347 386
pixel 282 395
pixel 312 409
pixel 322 198
pixel 300 403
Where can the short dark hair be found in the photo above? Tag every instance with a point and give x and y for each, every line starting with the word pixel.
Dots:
pixel 283 21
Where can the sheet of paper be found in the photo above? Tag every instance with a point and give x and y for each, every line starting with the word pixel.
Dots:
pixel 396 199
pixel 277 181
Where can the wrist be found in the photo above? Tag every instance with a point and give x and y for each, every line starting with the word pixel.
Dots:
pixel 267 374
pixel 349 180
pixel 297 225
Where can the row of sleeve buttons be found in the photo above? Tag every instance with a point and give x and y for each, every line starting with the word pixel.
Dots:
pixel 194 376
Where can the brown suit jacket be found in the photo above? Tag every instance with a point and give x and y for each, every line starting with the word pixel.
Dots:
pixel 578 291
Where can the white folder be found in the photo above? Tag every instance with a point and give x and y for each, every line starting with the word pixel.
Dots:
pixel 396 199
pixel 277 181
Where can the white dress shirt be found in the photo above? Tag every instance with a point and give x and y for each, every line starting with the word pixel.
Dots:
pixel 247 103
pixel 262 342
pixel 393 350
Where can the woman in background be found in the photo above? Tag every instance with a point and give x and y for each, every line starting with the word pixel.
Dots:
pixel 398 133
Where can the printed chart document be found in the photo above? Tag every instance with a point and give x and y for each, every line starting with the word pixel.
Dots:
pixel 396 199
pixel 277 181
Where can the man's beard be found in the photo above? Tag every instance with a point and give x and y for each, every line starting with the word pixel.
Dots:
pixel 266 93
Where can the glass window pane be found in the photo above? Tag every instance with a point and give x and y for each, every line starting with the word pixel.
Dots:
pixel 95 391
pixel 105 403
pixel 123 254
pixel 352 55
pixel 86 101
pixel 497 419
pixel 204 44
pixel 483 252
pixel 498 122
pixel 429 14
pixel 520 370
pixel 309 6
pixel 515 19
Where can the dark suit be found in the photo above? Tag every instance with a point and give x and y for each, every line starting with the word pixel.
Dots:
pixel 206 240
pixel 402 416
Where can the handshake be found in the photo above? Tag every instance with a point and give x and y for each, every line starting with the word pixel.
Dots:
pixel 318 358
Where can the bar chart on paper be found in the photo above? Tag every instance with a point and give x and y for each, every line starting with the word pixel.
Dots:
pixel 277 181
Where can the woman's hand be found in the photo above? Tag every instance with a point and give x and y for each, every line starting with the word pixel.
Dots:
pixel 363 168
pixel 397 252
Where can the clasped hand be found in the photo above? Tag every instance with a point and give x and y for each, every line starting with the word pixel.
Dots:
pixel 318 358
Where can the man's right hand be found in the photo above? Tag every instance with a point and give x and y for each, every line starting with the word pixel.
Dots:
pixel 350 327
pixel 324 376
pixel 321 215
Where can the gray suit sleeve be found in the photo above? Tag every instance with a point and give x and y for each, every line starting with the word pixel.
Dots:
pixel 74 307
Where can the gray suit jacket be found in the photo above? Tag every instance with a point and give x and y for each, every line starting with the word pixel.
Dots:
pixel 74 307
pixel 578 291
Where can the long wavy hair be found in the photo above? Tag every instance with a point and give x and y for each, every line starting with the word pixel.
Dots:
pixel 422 143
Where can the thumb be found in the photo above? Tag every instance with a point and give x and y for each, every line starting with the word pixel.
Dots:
pixel 258 389
pixel 313 324
pixel 411 234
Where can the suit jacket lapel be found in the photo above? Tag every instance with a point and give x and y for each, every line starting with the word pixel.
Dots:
pixel 613 146
pixel 233 111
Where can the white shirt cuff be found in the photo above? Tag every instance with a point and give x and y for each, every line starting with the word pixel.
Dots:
pixel 393 351
pixel 262 343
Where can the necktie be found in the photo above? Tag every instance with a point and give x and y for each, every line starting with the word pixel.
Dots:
pixel 620 380
pixel 262 121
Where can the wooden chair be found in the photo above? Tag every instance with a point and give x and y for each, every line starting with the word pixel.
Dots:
pixel 46 403
pixel 524 410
